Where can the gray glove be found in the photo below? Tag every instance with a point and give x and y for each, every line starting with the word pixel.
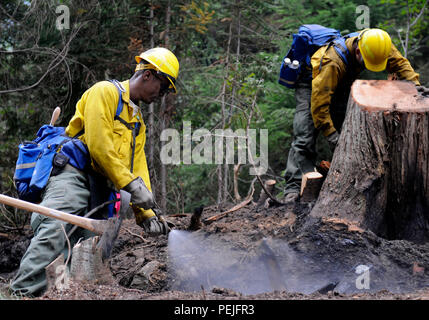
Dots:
pixel 161 219
pixel 423 91
pixel 333 140
pixel 140 194
pixel 153 226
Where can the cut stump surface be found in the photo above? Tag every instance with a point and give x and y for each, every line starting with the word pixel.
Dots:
pixel 379 175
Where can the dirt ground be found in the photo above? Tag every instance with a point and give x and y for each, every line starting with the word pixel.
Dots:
pixel 250 254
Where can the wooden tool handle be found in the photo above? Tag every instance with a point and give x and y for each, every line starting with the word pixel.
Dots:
pixel 55 115
pixel 96 226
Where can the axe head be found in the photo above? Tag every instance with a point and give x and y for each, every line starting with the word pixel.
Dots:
pixel 113 226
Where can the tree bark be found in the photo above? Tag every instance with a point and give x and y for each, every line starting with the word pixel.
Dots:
pixel 237 196
pixel 151 122
pixel 223 169
pixel 163 118
pixel 163 169
pixel 379 175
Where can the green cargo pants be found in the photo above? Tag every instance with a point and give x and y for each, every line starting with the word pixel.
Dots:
pixel 67 192
pixel 302 154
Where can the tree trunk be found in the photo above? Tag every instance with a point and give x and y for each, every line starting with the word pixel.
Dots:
pixel 237 196
pixel 151 122
pixel 163 119
pixel 163 169
pixel 379 175
pixel 223 169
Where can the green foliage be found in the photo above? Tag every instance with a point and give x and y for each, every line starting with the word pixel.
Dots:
pixel 197 16
pixel 191 186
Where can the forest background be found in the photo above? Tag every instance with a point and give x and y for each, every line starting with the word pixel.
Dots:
pixel 230 54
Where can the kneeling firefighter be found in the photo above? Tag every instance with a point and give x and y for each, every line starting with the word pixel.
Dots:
pixel 106 156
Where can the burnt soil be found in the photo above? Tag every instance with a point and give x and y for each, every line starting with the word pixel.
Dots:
pixel 253 253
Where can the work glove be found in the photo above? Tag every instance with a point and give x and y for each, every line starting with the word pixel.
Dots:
pixel 333 140
pixel 140 194
pixel 161 219
pixel 154 226
pixel 423 91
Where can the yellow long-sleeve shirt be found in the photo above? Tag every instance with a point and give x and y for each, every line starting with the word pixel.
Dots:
pixel 109 141
pixel 334 74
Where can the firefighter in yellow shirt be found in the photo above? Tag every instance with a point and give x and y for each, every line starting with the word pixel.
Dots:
pixel 113 142
pixel 321 104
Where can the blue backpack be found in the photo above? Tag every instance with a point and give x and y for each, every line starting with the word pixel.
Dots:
pixel 34 164
pixel 36 158
pixel 305 43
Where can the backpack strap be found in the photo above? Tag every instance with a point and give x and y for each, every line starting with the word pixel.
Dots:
pixel 341 49
pixel 134 127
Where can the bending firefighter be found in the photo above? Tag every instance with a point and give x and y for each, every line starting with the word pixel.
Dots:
pixel 110 126
pixel 321 102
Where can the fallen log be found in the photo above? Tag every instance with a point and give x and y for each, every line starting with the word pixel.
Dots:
pixel 379 175
pixel 179 215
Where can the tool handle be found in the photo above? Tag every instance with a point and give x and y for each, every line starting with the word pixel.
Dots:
pixel 96 226
pixel 55 115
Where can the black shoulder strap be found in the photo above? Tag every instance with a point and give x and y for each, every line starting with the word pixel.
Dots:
pixel 341 49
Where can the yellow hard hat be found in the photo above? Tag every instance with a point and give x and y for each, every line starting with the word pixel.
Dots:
pixel 375 46
pixel 164 62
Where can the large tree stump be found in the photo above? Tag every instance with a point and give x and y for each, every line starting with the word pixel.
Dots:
pixel 379 176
